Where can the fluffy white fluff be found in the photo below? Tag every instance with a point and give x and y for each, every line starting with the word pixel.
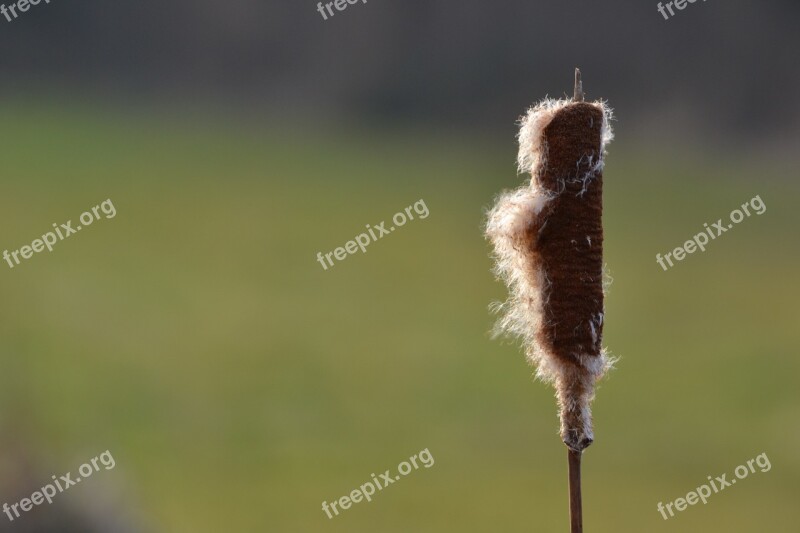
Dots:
pixel 532 152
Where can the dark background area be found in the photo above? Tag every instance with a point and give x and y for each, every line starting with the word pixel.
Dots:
pixel 717 72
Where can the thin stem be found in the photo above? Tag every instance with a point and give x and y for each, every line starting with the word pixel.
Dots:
pixel 578 95
pixel 575 503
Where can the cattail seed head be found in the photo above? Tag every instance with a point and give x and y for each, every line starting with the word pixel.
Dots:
pixel 548 247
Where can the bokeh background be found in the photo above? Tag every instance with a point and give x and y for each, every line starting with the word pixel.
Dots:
pixel 238 384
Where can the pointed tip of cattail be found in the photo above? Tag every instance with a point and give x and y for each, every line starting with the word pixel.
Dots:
pixel 578 95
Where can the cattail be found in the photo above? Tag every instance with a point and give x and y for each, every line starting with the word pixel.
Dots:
pixel 548 247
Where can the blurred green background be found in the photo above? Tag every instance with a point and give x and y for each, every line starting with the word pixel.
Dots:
pixel 238 384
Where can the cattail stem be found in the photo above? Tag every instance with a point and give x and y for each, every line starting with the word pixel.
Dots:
pixel 574 457
pixel 575 502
